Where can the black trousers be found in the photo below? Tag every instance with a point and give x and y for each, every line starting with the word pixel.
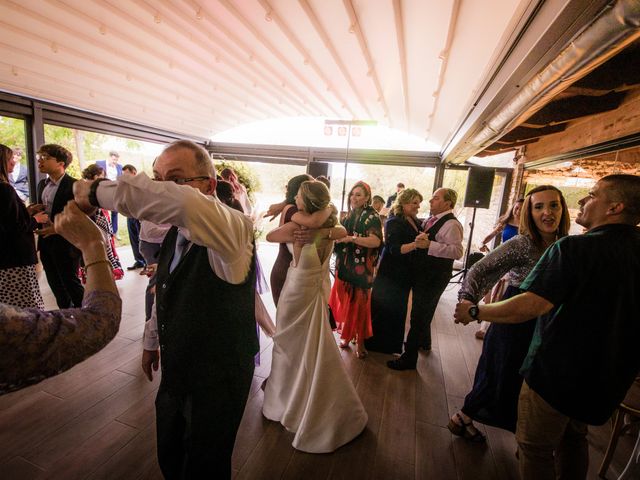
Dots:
pixel 427 290
pixel 133 227
pixel 114 222
pixel 150 252
pixel 196 431
pixel 61 268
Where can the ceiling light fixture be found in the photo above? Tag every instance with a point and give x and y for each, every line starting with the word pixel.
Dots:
pixel 199 13
pixel 352 28
pixel 267 16
pixel 103 30
pixel 157 18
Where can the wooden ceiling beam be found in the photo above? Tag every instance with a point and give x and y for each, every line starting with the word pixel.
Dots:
pixel 618 72
pixel 526 132
pixel 607 126
pixel 567 109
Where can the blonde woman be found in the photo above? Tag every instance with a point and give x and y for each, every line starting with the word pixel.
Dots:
pixel 391 287
pixel 307 373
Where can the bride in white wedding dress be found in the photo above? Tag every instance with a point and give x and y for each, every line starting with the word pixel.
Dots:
pixel 309 390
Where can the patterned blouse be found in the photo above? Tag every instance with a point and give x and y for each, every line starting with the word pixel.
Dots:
pixel 516 257
pixel 356 264
pixel 35 344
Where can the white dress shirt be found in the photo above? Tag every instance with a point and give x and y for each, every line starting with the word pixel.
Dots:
pixel 202 219
pixel 448 241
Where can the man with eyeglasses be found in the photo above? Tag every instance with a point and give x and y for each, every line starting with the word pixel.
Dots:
pixel 59 258
pixel 203 319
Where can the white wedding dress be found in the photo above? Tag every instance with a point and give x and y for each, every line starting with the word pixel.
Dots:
pixel 309 390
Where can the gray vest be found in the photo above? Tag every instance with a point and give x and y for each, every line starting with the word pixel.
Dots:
pixel 204 322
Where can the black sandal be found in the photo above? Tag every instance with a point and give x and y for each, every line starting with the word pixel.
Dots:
pixel 462 430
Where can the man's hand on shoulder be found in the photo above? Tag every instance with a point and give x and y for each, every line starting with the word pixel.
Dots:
pixel 150 362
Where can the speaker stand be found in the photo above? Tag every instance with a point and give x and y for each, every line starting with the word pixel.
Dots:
pixel 461 275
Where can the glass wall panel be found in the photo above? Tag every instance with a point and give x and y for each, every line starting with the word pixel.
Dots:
pixel 12 134
pixel 89 147
pixel 383 180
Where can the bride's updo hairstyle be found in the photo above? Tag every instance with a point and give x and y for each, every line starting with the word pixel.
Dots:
pixel 315 196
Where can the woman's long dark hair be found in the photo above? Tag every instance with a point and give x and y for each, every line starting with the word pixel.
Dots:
pixel 504 219
pixel 5 155
pixel 293 185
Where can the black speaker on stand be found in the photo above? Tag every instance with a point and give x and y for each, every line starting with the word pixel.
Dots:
pixel 477 195
pixel 316 169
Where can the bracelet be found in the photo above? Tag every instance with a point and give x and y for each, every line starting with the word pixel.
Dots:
pixel 90 264
pixel 93 192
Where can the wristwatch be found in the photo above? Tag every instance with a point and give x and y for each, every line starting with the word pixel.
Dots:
pixel 93 198
pixel 474 311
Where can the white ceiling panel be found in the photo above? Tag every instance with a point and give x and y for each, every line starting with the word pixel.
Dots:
pixel 201 67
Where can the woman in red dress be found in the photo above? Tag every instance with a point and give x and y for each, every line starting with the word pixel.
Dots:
pixel 356 259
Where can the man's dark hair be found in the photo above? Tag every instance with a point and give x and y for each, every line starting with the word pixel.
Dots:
pixel 324 179
pixel 377 198
pixel 626 189
pixel 400 185
pixel 58 152
pixel 130 168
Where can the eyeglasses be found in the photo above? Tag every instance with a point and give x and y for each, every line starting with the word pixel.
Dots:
pixel 182 181
pixel 42 156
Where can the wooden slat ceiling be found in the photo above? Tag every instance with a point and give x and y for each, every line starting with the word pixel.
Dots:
pixel 202 67
pixel 605 89
pixel 437 69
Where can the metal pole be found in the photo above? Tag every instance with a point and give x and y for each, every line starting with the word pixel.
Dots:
pixel 346 162
pixel 465 267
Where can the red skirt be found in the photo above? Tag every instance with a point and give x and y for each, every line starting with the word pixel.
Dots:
pixel 351 307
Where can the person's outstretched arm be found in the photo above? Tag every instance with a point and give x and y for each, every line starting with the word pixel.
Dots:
pixel 36 344
pixel 312 220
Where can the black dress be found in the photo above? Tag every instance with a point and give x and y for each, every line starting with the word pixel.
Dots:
pixel 391 288
pixel 283 260
pixel 496 386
